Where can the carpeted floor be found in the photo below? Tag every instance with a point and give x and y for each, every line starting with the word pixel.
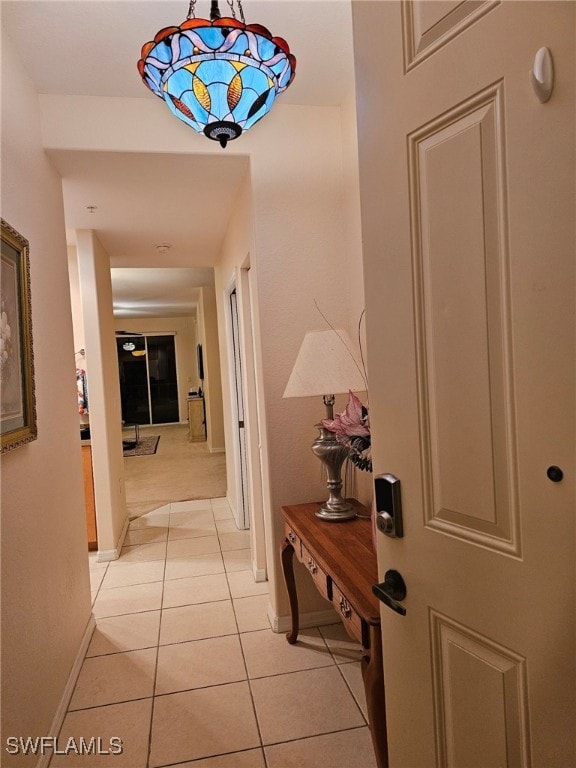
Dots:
pixel 178 471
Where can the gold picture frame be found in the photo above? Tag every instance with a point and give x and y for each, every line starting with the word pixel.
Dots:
pixel 17 394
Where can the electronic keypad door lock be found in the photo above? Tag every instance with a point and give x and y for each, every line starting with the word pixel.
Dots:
pixel 388 505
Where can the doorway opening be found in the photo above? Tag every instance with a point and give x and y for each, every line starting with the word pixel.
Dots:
pixel 242 510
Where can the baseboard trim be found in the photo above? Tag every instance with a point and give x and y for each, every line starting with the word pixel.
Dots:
pixel 69 688
pixel 305 620
pixel 105 555
pixel 259 574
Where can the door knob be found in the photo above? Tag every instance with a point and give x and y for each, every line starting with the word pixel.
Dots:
pixel 391 591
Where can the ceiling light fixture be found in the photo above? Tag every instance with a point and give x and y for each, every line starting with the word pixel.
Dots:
pixel 219 76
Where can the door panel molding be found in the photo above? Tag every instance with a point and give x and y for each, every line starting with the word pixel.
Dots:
pixel 481 700
pixel 458 193
pixel 427 27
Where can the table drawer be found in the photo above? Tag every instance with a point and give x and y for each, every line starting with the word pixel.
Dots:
pixel 352 622
pixel 322 581
pixel 294 539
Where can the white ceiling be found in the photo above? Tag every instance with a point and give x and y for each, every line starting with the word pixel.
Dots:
pixel 90 47
pixel 145 200
pixel 140 293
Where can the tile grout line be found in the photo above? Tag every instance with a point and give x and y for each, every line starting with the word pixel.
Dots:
pixel 352 694
pixel 202 759
pixel 305 738
pixel 262 748
pixel 100 587
pixel 250 691
pixel 342 675
pixel 195 640
pixel 149 751
pixel 248 680
pixel 107 704
pixel 82 665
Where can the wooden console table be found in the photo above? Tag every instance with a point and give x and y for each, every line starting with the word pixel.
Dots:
pixel 341 560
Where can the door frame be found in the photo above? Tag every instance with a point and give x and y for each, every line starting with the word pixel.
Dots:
pixel 237 400
pixel 240 282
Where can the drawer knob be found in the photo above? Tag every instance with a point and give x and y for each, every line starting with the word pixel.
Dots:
pixel 312 567
pixel 345 609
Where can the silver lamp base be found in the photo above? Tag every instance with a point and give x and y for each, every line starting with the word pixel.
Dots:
pixel 332 454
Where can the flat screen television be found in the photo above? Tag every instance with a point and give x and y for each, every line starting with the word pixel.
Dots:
pixel 200 360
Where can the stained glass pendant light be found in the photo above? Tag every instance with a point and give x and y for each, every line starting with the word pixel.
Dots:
pixel 220 76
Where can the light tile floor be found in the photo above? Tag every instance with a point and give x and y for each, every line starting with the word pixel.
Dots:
pixel 184 668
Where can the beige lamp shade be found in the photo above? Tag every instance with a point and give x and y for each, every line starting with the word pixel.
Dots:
pixel 326 365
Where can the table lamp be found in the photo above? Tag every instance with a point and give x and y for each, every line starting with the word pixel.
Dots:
pixel 327 365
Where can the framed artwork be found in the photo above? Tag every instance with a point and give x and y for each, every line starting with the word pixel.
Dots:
pixel 17 397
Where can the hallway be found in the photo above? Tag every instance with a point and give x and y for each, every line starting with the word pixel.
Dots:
pixel 183 666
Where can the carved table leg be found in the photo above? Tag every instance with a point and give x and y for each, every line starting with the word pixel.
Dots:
pixel 288 569
pixel 373 674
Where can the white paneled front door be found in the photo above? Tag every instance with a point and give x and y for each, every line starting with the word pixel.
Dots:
pixel 468 217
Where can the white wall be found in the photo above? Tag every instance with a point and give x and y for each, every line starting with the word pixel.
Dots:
pixel 208 337
pixel 103 393
pixel 237 245
pixel 77 321
pixel 45 584
pixel 353 237
pixel 301 257
pixel 185 339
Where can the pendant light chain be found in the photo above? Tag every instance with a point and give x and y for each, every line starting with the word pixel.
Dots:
pixel 192 9
pixel 240 9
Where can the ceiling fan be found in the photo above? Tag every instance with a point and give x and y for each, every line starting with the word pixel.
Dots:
pixel 130 346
